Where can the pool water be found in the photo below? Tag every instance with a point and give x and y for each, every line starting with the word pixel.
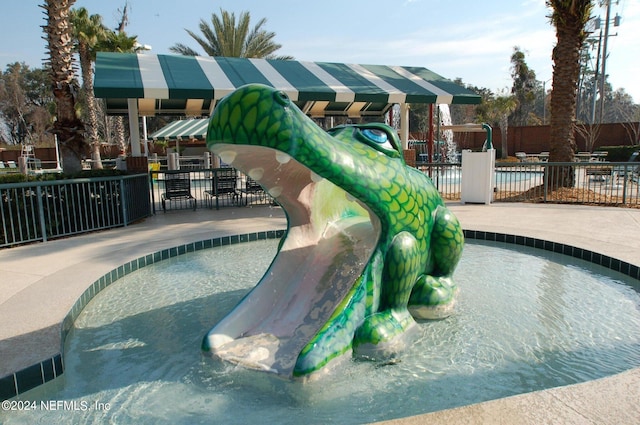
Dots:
pixel 452 175
pixel 526 320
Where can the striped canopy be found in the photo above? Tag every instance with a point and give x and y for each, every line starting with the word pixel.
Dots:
pixel 188 85
pixel 183 130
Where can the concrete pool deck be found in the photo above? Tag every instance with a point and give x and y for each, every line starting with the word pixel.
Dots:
pixel 41 282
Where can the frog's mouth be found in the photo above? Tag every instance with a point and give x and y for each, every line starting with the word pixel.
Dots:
pixel 330 238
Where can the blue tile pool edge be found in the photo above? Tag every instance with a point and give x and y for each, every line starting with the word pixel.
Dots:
pixel 52 367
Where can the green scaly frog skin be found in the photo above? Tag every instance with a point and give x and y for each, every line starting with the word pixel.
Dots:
pixel 328 181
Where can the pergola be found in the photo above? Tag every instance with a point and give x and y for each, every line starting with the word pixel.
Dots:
pixel 145 85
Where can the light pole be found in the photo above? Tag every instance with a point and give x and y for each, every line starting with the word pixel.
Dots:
pixel 595 80
pixel 603 75
pixel 544 101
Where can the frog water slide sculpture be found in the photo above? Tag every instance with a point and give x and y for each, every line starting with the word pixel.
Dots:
pixel 369 248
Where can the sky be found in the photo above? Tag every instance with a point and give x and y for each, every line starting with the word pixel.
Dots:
pixel 468 39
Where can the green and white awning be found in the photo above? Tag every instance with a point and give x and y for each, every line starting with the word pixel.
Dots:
pixel 188 85
pixel 186 129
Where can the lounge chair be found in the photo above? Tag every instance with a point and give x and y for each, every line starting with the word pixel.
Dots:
pixel 177 188
pixel 251 188
pixel 223 185
pixel 521 156
pixel 621 172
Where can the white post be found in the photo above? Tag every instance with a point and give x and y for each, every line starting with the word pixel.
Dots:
pixel 144 136
pixel 173 161
pixel 134 129
pixel 22 164
pixel 58 161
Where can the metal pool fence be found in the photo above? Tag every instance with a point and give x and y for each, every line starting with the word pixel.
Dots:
pixel 603 183
pixel 39 211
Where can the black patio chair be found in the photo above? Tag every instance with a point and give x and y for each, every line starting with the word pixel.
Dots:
pixel 224 184
pixel 177 189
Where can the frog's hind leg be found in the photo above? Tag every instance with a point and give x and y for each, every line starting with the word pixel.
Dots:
pixel 385 333
pixel 433 296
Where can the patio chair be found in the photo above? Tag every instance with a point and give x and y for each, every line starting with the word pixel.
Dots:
pixel 223 184
pixel 251 188
pixel 177 188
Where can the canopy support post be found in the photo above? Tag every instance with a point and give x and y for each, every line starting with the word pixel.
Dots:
pixel 430 137
pixel 404 125
pixel 134 128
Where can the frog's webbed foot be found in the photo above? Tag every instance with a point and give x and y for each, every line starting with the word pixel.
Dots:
pixel 434 295
pixel 433 298
pixel 384 333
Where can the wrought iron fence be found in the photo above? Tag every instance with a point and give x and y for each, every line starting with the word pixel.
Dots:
pixel 39 211
pixel 205 188
pixel 603 183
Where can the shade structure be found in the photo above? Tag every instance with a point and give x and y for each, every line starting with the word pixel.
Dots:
pixel 194 128
pixel 191 85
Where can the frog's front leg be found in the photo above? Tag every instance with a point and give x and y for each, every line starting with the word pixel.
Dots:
pixel 384 333
pixel 433 296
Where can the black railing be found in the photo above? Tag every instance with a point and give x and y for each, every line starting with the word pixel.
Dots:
pixel 39 211
pixel 602 183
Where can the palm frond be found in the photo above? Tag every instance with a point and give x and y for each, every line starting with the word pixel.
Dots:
pixel 227 36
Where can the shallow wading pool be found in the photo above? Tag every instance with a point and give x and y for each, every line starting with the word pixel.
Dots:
pixel 526 320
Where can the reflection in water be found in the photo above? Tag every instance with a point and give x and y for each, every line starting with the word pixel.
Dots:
pixel 551 298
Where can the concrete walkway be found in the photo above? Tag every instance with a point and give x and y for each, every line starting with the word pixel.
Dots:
pixel 41 282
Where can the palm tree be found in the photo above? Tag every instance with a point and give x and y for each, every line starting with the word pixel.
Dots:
pixel 524 88
pixel 225 37
pixel 68 127
pixel 119 41
pixel 569 18
pixel 88 32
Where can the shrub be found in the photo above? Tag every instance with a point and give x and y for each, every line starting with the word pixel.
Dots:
pixel 619 153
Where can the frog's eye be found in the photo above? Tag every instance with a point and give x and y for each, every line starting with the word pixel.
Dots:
pixel 375 135
pixel 378 139
pixel 281 97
